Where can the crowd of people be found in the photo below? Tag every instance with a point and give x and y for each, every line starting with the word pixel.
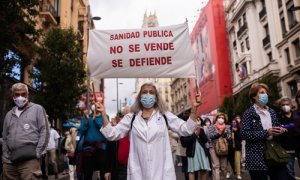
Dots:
pixel 149 141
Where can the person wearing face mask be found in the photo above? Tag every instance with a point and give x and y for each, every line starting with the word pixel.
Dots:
pixel 260 124
pixel 234 149
pixel 197 160
pixel 94 149
pixel 25 137
pixel 150 155
pixel 217 130
pixel 289 140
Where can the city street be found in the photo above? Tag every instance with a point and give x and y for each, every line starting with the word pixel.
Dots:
pixel 245 174
pixel 179 174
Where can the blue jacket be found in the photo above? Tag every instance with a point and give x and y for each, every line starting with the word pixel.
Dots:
pixel 91 130
pixel 254 134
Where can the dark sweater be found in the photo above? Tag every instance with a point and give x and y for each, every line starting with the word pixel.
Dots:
pixel 190 142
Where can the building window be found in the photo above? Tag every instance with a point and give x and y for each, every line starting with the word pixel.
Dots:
pixel 240 23
pixel 270 57
pixel 293 88
pixel 247 44
pixel 287 55
pixel 244 19
pixel 266 27
pixel 291 14
pixel 282 22
pixel 242 47
pixel 279 3
pixel 296 45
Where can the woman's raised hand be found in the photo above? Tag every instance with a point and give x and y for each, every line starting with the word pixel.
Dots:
pixel 197 100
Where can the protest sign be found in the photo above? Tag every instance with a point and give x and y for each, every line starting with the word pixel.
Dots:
pixel 159 52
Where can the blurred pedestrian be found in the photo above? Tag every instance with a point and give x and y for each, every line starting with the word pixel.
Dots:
pixel 297 123
pixel 260 124
pixel 63 151
pixel 118 152
pixel 150 155
pixel 174 138
pixel 234 149
pixel 51 150
pixel 94 154
pixel 70 147
pixel 25 137
pixel 289 141
pixel 217 131
pixel 196 152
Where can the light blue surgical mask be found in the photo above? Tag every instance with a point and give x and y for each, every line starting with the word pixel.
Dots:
pixel 263 99
pixel 148 100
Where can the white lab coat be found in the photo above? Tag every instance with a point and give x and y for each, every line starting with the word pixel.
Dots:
pixel 150 156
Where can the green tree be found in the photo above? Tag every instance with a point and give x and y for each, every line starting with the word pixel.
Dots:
pixel 17 33
pixel 236 105
pixel 59 73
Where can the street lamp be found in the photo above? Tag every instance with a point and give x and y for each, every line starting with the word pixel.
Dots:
pixel 89 19
pixel 117 84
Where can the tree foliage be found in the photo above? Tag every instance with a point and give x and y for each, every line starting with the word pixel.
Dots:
pixel 17 19
pixel 60 73
pixel 236 105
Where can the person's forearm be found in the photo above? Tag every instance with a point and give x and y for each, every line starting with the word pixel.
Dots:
pixel 193 115
pixel 104 118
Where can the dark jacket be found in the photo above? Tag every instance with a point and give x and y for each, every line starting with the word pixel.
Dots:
pixel 236 140
pixel 289 139
pixel 190 142
pixel 254 134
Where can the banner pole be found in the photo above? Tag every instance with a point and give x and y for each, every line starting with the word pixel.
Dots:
pixel 95 99
pixel 87 96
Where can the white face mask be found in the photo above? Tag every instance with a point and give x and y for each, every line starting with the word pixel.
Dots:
pixel 93 107
pixel 221 120
pixel 286 108
pixel 20 101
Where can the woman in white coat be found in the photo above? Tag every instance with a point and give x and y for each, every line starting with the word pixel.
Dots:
pixel 150 156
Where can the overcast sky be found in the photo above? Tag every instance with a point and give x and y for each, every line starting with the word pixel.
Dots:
pixel 128 14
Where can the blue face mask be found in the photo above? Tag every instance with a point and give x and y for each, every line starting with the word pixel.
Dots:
pixel 148 100
pixel 263 99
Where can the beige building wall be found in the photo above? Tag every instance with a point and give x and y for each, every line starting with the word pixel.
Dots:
pixel 258 40
pixel 66 14
pixel 180 95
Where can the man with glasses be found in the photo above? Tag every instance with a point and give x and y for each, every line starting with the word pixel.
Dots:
pixel 25 137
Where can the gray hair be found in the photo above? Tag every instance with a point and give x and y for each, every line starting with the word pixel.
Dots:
pixel 19 86
pixel 159 105
pixel 285 98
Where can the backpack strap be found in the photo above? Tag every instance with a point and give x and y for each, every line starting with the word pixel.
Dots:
pixel 165 117
pixel 166 120
pixel 133 118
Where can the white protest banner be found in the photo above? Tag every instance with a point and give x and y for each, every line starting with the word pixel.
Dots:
pixel 159 52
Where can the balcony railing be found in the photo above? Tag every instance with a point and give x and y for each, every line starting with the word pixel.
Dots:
pixel 262 13
pixel 242 30
pixel 266 41
pixel 48 11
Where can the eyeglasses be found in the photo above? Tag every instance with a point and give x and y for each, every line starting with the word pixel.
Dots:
pixel 20 94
